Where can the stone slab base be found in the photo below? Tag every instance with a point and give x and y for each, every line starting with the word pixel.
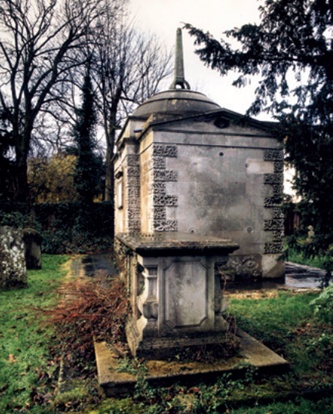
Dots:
pixel 165 373
pixel 168 347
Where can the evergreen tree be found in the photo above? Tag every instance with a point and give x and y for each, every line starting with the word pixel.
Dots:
pixel 291 49
pixel 88 165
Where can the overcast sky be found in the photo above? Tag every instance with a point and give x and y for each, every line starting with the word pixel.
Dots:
pixel 162 17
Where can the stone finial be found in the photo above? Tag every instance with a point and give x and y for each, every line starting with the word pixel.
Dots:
pixel 179 79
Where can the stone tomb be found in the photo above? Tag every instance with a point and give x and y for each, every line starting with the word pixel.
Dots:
pixel 175 292
pixel 190 177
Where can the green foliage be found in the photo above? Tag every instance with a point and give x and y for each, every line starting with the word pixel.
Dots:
pixel 295 253
pixel 291 51
pixel 323 305
pixel 65 227
pixel 272 319
pixel 27 369
pixel 284 324
pixel 88 164
pixel 202 398
pixel 300 406
pixel 275 50
pixel 303 251
pixel 51 179
pixel 133 366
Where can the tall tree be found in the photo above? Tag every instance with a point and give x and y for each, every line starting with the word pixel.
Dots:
pixel 88 164
pixel 37 42
pixel 127 68
pixel 291 49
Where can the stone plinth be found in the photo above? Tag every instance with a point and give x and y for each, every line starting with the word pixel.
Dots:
pixel 165 373
pixel 175 291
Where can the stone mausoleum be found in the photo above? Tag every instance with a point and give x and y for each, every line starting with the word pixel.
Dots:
pixel 194 181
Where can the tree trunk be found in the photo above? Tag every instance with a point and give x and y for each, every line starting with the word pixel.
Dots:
pixel 22 189
pixel 108 192
pixel 110 147
pixel 109 167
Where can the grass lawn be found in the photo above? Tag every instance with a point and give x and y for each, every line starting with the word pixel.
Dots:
pixel 27 369
pixel 283 321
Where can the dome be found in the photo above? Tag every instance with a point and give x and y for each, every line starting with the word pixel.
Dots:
pixel 176 102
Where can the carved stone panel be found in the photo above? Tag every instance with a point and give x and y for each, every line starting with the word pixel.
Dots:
pixel 245 266
pixel 275 223
pixel 147 300
pixel 165 225
pixel 133 193
pixel 157 163
pixel 165 175
pixel 159 177
pixel 186 294
pixel 273 248
pixel 165 200
pixel 273 155
pixel 165 150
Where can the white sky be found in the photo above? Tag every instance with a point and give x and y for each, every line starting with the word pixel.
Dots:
pixel 162 17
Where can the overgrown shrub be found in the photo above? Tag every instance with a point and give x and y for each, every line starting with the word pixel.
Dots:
pixel 15 214
pixel 323 305
pixel 90 309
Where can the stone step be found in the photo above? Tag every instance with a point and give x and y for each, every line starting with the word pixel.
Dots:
pixel 163 373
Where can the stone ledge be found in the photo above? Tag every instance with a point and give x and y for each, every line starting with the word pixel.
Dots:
pixel 176 243
pixel 164 373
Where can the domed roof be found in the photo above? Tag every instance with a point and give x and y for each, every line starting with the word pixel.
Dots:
pixel 176 102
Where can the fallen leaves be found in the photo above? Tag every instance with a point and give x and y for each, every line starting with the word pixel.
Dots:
pixel 12 358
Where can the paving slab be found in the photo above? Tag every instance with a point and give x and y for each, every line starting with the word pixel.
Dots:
pixel 93 265
pixel 163 373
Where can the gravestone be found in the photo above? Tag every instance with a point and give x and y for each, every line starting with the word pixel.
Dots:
pixel 33 248
pixel 12 258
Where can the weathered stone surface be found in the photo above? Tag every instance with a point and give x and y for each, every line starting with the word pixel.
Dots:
pixel 175 293
pixel 166 244
pixel 12 258
pixel 243 267
pixel 196 177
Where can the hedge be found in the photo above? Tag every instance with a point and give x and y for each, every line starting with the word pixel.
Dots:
pixel 65 227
